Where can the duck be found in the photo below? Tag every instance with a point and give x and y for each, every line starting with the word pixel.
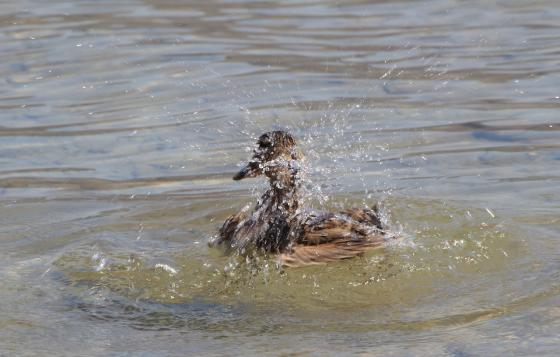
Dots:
pixel 279 225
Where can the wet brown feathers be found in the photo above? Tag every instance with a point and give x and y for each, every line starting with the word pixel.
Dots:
pixel 278 225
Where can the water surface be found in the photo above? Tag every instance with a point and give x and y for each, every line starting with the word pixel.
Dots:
pixel 122 123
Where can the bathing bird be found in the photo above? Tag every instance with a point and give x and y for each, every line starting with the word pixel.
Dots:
pixel 279 225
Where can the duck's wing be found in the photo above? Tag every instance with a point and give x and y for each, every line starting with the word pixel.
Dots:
pixel 302 255
pixel 331 237
pixel 365 216
pixel 330 227
pixel 229 228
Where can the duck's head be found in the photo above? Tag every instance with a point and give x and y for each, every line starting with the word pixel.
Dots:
pixel 275 157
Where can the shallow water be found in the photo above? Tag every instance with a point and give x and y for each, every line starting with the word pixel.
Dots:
pixel 121 125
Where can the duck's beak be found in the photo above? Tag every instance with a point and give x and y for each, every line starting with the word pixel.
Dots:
pixel 251 170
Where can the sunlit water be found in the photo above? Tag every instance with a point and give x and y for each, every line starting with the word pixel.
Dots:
pixel 121 124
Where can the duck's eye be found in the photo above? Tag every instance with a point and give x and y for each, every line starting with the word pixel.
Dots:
pixel 265 142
